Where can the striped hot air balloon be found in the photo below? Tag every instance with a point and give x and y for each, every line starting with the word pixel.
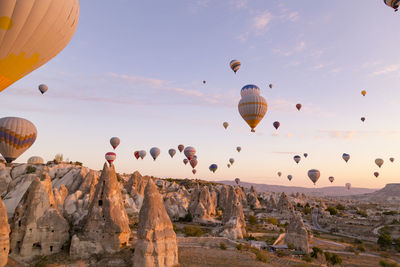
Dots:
pixel 393 4
pixel 43 88
pixel 142 154
pixel 314 175
pixel 235 65
pixel 16 136
pixel 110 157
pixel 36 160
pixel 189 152
pixel 193 163
pixel 252 107
pixel 155 152
pixel 31 33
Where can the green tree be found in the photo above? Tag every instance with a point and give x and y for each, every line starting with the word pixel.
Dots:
pixel 340 207
pixel 332 210
pixel 385 240
pixel 335 259
pixel 315 252
pixel 252 219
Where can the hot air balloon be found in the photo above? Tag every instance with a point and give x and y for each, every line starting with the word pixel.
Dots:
pixel 16 136
pixel 228 165
pixel 193 163
pixel 185 161
pixel 142 154
pixel 237 180
pixel 35 160
pixel 33 32
pixel 391 159
pixel 136 154
pixel 180 148
pixel 195 156
pixel 393 4
pixel 225 124
pixel 305 155
pixel 346 157
pixel 276 124
pixel 231 161
pixel 279 174
pixel 376 174
pixel 154 152
pixel 362 119
pixel 235 65
pixel 172 152
pixel 297 159
pixel 194 171
pixel 290 177
pixel 204 82
pixel 252 107
pixel 363 92
pixel 348 186
pixel 238 149
pixel 298 106
pixel 110 157
pixel 213 167
pixel 271 85
pixel 189 152
pixel 331 179
pixel 114 141
pixel 43 88
pixel 314 175
pixel 379 162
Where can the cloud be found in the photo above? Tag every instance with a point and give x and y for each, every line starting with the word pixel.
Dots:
pixel 300 46
pixel 239 4
pixel 347 135
pixel 261 21
pixel 338 134
pixel 387 69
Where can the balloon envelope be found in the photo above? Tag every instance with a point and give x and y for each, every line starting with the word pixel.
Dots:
pixel 305 155
pixel 231 161
pixel 16 136
pixel 348 186
pixel 290 177
pixel 193 163
pixel 228 165
pixel 32 33
pixel 379 162
pixel 271 85
pixel 225 124
pixel 363 92
pixel 331 179
pixel 376 174
pixel 314 175
pixel 189 152
pixel 110 157
pixel 194 171
pixel 185 161
pixel 297 159
pixel 238 149
pixel 35 160
pixel 276 124
pixel 346 157
pixel 172 152
pixel 235 65
pixel 279 174
pixel 114 141
pixel 43 88
pixel 298 106
pixel 362 119
pixel 136 154
pixel 180 148
pixel 237 180
pixel 252 107
pixel 154 152
pixel 142 154
pixel 213 167
pixel 391 159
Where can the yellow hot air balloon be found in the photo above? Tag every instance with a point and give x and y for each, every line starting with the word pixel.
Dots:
pixel 31 33
pixel 363 92
pixel 252 106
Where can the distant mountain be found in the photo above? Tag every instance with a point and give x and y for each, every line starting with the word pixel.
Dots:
pixel 390 193
pixel 322 191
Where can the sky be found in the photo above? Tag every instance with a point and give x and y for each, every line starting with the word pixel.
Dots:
pixel 135 69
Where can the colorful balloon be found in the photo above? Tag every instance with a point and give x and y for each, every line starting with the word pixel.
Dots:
pixel 35 160
pixel 305 155
pixel 276 124
pixel 391 159
pixel 376 174
pixel 393 4
pixel 32 33
pixel 225 124
pixel 43 88
pixel 154 152
pixel 189 152
pixel 331 179
pixel 185 161
pixel 238 149
pixel 110 157
pixel 297 159
pixel 346 157
pixel 363 92
pixel 279 174
pixel 348 186
pixel 180 148
pixel 237 180
pixel 16 136
pixel 314 175
pixel 172 152
pixel 194 171
pixel 114 141
pixel 136 154
pixel 193 163
pixel 290 177
pixel 142 154
pixel 252 107
pixel 298 106
pixel 213 167
pixel 379 162
pixel 231 161
pixel 235 65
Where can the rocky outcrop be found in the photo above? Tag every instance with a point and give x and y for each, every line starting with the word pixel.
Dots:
pixel 233 217
pixel 59 196
pixel 284 205
pixel 37 226
pixel 156 245
pixel 136 184
pixel 177 203
pixel 297 234
pixel 252 199
pixel 4 235
pixel 271 204
pixel 106 226
pixel 223 194
pixel 202 204
pixel 5 180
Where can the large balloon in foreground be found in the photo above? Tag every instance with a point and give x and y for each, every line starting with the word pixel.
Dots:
pixel 346 157
pixel 225 124
pixel 379 162
pixel 363 92
pixel 114 141
pixel 31 33
pixel 110 157
pixel 314 175
pixel 276 124
pixel 231 161
pixel 189 152
pixel 136 154
pixel 331 179
pixel 290 177
pixel 185 161
pixel 297 159
pixel 142 154
pixel 172 152
pixel 391 159
pixel 180 148
pixel 16 136
pixel 193 163
pixel 43 88
pixel 235 65
pixel 279 174
pixel 348 186
pixel 238 149
pixel 154 152
pixel 252 107
pixel 213 167
pixel 237 180
pixel 35 160
pixel 376 174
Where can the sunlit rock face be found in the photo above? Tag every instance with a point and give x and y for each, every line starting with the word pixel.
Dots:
pixel 234 224
pixel 4 235
pixel 297 234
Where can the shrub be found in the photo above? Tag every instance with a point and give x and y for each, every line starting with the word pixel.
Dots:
pixel 335 259
pixel 327 255
pixel 252 219
pixel 307 258
pixel 281 253
pixel 119 177
pixel 175 228
pixel 290 245
pixel 384 263
pixel 361 247
pixel 273 220
pixel 222 246
pixel 239 246
pixel 30 169
pixel 191 230
pixel 385 240
pixel 362 213
pixel 188 218
pixel 392 212
pixel 307 210
pixel 78 163
pixel 332 210
pixel 261 256
pixel 397 244
pixel 340 207
pixel 316 251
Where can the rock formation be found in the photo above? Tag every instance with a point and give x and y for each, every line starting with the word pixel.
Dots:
pixel 177 203
pixel 297 234
pixel 284 205
pixel 156 245
pixel 136 184
pixel 202 204
pixel 271 204
pixel 252 199
pixel 37 226
pixel 4 235
pixel 233 217
pixel 106 226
